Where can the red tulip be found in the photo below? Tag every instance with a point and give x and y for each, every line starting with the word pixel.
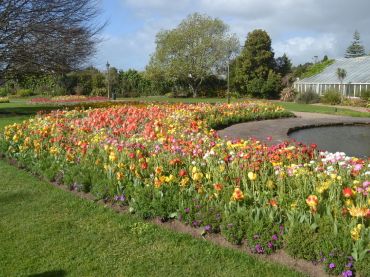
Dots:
pixel 347 192
pixel 183 173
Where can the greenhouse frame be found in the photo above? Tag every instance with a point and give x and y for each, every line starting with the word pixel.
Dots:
pixel 357 78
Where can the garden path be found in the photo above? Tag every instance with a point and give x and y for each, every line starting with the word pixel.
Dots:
pixel 275 131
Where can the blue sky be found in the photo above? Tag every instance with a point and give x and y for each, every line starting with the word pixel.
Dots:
pixel 300 28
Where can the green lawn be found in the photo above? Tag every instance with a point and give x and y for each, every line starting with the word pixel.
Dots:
pixel 21 107
pixel 6 119
pixel 45 231
pixel 295 107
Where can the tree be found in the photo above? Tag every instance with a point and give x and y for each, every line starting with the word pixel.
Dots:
pixel 198 47
pixel 301 69
pixel 255 66
pixel 113 81
pixel 38 36
pixel 283 65
pixel 355 49
pixel 341 74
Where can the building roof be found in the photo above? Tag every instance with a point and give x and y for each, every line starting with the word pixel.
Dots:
pixel 358 71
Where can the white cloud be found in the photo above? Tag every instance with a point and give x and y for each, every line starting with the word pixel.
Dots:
pixel 303 49
pixel 300 28
pixel 163 7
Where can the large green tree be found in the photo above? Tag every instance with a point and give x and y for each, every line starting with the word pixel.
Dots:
pixel 200 46
pixel 253 71
pixel 355 49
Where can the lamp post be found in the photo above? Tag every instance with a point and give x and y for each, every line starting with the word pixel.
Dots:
pixel 228 81
pixel 229 58
pixel 108 81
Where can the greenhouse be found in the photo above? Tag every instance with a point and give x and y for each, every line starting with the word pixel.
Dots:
pixel 356 78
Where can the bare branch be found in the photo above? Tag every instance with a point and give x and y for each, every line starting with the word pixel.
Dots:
pixel 47 36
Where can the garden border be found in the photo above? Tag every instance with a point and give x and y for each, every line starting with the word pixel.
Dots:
pixel 297 128
pixel 279 256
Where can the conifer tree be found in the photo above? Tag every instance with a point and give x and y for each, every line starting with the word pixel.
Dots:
pixel 253 72
pixel 355 49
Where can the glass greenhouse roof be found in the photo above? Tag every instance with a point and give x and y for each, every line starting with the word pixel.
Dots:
pixel 358 72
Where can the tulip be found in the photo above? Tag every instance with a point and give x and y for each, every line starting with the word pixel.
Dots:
pixel 183 173
pixel 218 186
pixel 238 195
pixel 312 201
pixel 252 176
pixel 347 192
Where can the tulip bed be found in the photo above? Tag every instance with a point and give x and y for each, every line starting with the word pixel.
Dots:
pixel 168 161
pixel 67 99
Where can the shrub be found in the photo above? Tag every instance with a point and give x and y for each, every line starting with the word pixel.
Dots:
pixel 308 97
pixel 4 100
pixel 288 94
pixel 365 95
pixel 25 92
pixel 331 97
pixel 3 92
pixel 258 87
pixel 354 102
pixel 170 94
pixel 99 92
pixel 232 94
pixel 235 95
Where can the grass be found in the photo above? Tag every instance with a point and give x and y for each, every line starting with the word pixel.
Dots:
pixel 295 107
pixel 45 231
pixel 7 120
pixel 21 107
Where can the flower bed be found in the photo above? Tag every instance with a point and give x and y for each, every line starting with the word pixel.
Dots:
pixel 67 99
pixel 167 161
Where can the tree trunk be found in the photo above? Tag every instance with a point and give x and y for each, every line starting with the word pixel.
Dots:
pixel 193 90
pixel 196 86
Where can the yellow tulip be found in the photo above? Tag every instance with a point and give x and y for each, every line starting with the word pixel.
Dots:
pixel 252 176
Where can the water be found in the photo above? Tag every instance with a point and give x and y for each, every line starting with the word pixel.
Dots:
pixel 353 140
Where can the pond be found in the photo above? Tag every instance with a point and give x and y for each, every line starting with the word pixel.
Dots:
pixel 354 140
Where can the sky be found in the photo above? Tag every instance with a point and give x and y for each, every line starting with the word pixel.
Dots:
pixel 302 29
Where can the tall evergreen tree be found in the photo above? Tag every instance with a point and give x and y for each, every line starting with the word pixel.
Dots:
pixel 253 71
pixel 355 49
pixel 283 65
